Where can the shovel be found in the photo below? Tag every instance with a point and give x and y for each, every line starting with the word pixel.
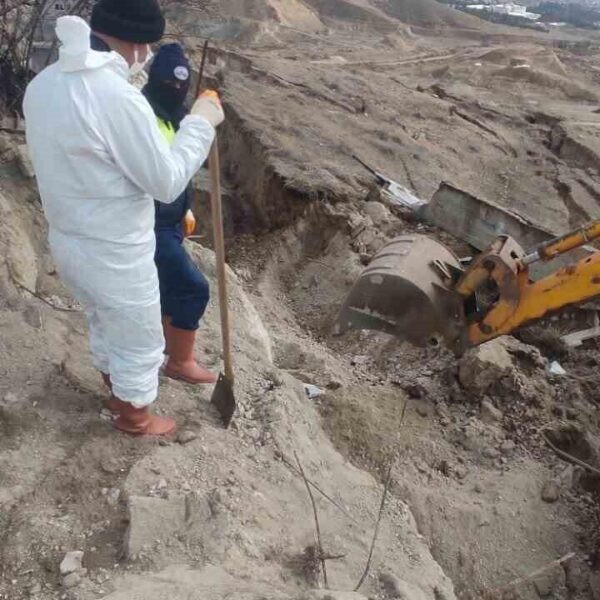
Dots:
pixel 223 397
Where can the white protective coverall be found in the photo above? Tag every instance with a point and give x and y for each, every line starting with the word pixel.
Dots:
pixel 100 161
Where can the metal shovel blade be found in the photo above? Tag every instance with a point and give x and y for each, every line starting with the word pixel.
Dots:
pixel 223 399
pixel 404 292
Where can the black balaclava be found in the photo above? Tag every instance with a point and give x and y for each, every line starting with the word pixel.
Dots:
pixel 169 65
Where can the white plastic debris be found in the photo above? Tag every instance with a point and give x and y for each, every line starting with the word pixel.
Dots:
pixel 312 391
pixel 71 562
pixel 555 368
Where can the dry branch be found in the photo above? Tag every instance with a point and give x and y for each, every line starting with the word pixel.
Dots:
pixel 316 487
pixel 381 507
pixel 322 557
pixel 27 289
pixel 569 457
pixel 376 532
pixel 19 4
pixel 499 592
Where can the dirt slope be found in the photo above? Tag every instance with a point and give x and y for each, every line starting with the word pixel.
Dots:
pixel 308 15
pixel 477 499
pixel 168 510
pixel 291 13
pixel 427 13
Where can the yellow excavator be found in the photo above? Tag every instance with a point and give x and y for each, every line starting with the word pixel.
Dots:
pixel 416 288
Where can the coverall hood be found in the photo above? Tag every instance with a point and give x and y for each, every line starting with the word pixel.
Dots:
pixel 76 54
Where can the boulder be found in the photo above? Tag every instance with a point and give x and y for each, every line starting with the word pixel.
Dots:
pixel 525 353
pixel 481 367
pixel 489 414
pixel 378 212
pixel 550 492
pixel 550 582
pixel 71 562
pixel 484 366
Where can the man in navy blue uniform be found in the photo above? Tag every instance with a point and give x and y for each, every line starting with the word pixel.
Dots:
pixel 184 291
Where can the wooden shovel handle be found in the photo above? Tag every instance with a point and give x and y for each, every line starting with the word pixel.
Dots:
pixel 219 241
pixel 201 70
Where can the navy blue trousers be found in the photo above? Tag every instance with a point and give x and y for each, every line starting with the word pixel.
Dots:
pixel 184 291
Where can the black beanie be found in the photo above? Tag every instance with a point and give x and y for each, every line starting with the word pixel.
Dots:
pixel 137 21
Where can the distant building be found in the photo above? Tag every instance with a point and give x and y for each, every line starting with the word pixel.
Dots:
pixel 45 49
pixel 511 9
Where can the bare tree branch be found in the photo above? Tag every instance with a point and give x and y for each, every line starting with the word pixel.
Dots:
pixel 21 23
pixel 7 9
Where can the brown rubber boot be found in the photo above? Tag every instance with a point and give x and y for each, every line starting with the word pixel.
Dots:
pixel 111 403
pixel 140 421
pixel 182 364
pixel 166 322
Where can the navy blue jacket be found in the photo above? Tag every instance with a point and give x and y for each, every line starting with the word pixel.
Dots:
pixel 170 215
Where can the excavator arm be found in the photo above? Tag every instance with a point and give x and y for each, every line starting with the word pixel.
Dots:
pixel 416 289
pixel 521 301
pixel 570 285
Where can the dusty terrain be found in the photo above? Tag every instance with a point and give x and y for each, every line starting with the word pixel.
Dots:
pixel 477 499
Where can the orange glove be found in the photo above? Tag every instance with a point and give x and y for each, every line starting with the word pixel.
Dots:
pixel 209 106
pixel 210 94
pixel 188 224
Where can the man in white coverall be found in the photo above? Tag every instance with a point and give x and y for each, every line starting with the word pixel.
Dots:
pixel 100 162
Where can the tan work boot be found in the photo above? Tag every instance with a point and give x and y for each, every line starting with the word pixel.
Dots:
pixel 182 363
pixel 140 421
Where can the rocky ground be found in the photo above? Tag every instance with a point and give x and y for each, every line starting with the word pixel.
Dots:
pixel 480 503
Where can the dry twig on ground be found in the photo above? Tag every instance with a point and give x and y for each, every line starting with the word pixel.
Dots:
pixel 568 457
pixel 499 592
pixel 376 532
pixel 25 288
pixel 322 556
pixel 381 508
pixel 316 487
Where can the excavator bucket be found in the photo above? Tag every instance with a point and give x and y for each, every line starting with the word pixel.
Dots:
pixel 406 291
